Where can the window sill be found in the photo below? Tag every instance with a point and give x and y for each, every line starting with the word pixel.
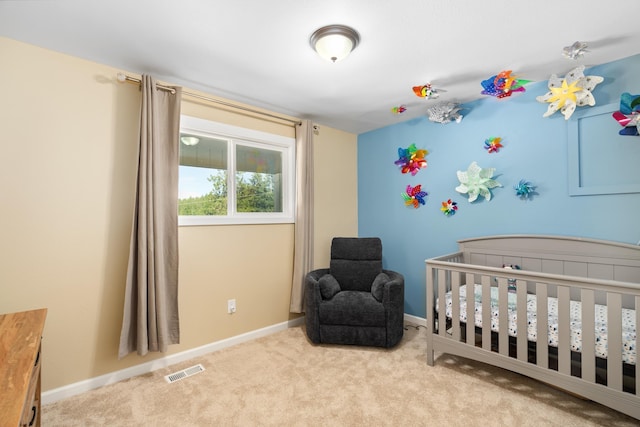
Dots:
pixel 186 221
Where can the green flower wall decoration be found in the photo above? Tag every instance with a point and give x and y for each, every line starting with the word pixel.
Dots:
pixel 476 181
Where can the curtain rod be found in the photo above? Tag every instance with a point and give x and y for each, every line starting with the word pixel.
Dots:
pixel 122 78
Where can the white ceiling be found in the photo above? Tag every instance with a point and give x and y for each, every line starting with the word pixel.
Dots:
pixel 257 51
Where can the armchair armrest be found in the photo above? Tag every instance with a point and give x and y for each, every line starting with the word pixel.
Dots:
pixel 393 301
pixel 312 299
pixel 311 286
pixel 317 274
pixel 393 290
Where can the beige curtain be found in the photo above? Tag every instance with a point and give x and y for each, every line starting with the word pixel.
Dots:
pixel 150 319
pixel 303 240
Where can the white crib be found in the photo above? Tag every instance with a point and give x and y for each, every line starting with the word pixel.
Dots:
pixel 581 298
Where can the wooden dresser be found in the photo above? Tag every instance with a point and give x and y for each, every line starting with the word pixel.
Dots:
pixel 20 359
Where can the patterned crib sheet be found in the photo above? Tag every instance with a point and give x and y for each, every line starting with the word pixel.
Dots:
pixel 628 321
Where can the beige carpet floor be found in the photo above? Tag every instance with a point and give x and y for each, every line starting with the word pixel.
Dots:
pixel 284 380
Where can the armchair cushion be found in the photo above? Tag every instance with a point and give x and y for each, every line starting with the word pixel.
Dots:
pixel 329 286
pixel 377 287
pixel 355 262
pixel 353 308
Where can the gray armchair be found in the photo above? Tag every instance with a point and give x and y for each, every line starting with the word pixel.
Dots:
pixel 355 301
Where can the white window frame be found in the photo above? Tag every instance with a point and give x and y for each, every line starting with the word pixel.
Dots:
pixel 247 137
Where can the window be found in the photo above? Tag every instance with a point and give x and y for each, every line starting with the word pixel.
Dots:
pixel 232 175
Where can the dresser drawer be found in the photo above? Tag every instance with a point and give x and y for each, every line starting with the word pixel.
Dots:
pixel 20 370
pixel 31 410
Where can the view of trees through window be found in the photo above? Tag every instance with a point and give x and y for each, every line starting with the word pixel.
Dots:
pixel 232 175
pixel 255 192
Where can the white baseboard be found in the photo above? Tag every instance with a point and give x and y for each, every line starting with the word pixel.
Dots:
pixel 63 392
pixel 74 389
pixel 421 321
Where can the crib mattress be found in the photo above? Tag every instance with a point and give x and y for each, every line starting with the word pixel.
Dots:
pixel 628 321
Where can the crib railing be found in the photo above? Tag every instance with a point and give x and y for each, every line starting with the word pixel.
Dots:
pixel 448 273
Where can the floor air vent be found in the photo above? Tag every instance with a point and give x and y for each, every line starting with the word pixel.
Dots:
pixel 177 376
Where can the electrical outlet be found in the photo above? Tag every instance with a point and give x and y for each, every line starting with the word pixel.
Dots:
pixel 231 306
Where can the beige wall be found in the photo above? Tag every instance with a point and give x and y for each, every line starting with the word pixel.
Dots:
pixel 68 134
pixel 336 192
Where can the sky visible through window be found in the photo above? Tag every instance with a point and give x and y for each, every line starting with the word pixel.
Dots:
pixel 193 182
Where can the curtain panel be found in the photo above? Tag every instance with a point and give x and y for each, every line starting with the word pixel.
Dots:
pixel 303 229
pixel 150 319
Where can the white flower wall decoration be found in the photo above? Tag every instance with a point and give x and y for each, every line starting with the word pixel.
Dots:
pixel 476 181
pixel 571 92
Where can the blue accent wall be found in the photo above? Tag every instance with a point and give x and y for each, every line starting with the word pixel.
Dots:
pixel 535 149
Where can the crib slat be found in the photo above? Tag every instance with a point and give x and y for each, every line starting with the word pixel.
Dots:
pixel 442 290
pixel 486 312
pixel 471 309
pixel 588 360
pixel 614 341
pixel 431 272
pixel 637 307
pixel 503 317
pixel 455 305
pixel 522 320
pixel 564 331
pixel 542 333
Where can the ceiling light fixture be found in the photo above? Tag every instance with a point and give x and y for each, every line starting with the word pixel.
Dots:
pixel 189 140
pixel 334 42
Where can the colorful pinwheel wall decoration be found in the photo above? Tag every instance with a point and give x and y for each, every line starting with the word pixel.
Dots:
pixel 411 159
pixel 503 84
pixel 449 207
pixel 571 92
pixel 492 145
pixel 400 109
pixel 414 196
pixel 629 115
pixel 426 91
